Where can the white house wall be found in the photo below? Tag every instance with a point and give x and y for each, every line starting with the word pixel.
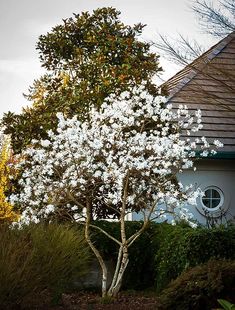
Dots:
pixel 218 174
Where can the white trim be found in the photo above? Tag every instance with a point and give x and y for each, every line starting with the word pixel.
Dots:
pixel 217 208
pixel 222 208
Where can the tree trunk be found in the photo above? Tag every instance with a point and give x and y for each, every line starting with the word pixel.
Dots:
pixel 123 258
pixel 119 273
pixel 95 251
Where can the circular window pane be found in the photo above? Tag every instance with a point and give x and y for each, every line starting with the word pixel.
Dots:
pixel 215 194
pixel 213 198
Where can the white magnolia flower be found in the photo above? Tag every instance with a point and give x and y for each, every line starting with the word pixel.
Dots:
pixel 132 145
pixel 45 143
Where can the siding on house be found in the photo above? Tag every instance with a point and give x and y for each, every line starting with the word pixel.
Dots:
pixel 208 83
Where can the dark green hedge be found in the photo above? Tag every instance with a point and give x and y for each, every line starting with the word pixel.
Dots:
pixel 140 270
pixel 186 247
pixel 164 251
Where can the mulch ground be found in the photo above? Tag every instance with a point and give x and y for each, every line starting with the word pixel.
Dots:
pixel 123 301
pixel 92 301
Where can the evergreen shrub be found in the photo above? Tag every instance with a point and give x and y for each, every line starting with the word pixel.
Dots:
pixel 200 287
pixel 184 247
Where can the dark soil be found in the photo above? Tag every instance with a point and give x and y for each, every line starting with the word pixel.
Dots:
pixel 93 301
pixel 123 301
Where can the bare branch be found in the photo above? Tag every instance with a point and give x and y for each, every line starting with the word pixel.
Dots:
pixel 106 234
pixel 181 51
pixel 215 21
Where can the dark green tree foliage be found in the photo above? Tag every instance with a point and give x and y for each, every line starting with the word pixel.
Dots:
pixel 87 57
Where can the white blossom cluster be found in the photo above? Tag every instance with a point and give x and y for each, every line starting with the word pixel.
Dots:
pixel 126 155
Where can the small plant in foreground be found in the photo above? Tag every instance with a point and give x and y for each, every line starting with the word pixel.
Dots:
pixel 226 304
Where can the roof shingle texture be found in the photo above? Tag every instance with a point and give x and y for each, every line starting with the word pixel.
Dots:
pixel 208 83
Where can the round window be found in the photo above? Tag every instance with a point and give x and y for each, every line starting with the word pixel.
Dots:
pixel 213 198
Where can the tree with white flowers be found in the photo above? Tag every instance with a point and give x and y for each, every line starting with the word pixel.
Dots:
pixel 124 159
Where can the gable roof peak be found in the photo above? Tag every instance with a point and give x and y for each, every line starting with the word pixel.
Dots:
pixel 181 78
pixel 208 84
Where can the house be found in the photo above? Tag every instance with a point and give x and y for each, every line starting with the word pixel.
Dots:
pixel 208 84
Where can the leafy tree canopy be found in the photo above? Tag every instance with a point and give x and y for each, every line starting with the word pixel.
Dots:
pixel 7 214
pixel 88 57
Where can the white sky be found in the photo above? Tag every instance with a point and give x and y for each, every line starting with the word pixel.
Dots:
pixel 22 21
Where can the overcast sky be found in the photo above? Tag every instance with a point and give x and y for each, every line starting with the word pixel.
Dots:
pixel 22 21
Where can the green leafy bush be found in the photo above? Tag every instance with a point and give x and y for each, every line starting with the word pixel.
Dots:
pixel 37 258
pixel 183 247
pixel 200 287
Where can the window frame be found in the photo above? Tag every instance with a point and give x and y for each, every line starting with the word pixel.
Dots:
pixel 221 203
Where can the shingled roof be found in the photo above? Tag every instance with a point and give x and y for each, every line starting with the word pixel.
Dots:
pixel 208 83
